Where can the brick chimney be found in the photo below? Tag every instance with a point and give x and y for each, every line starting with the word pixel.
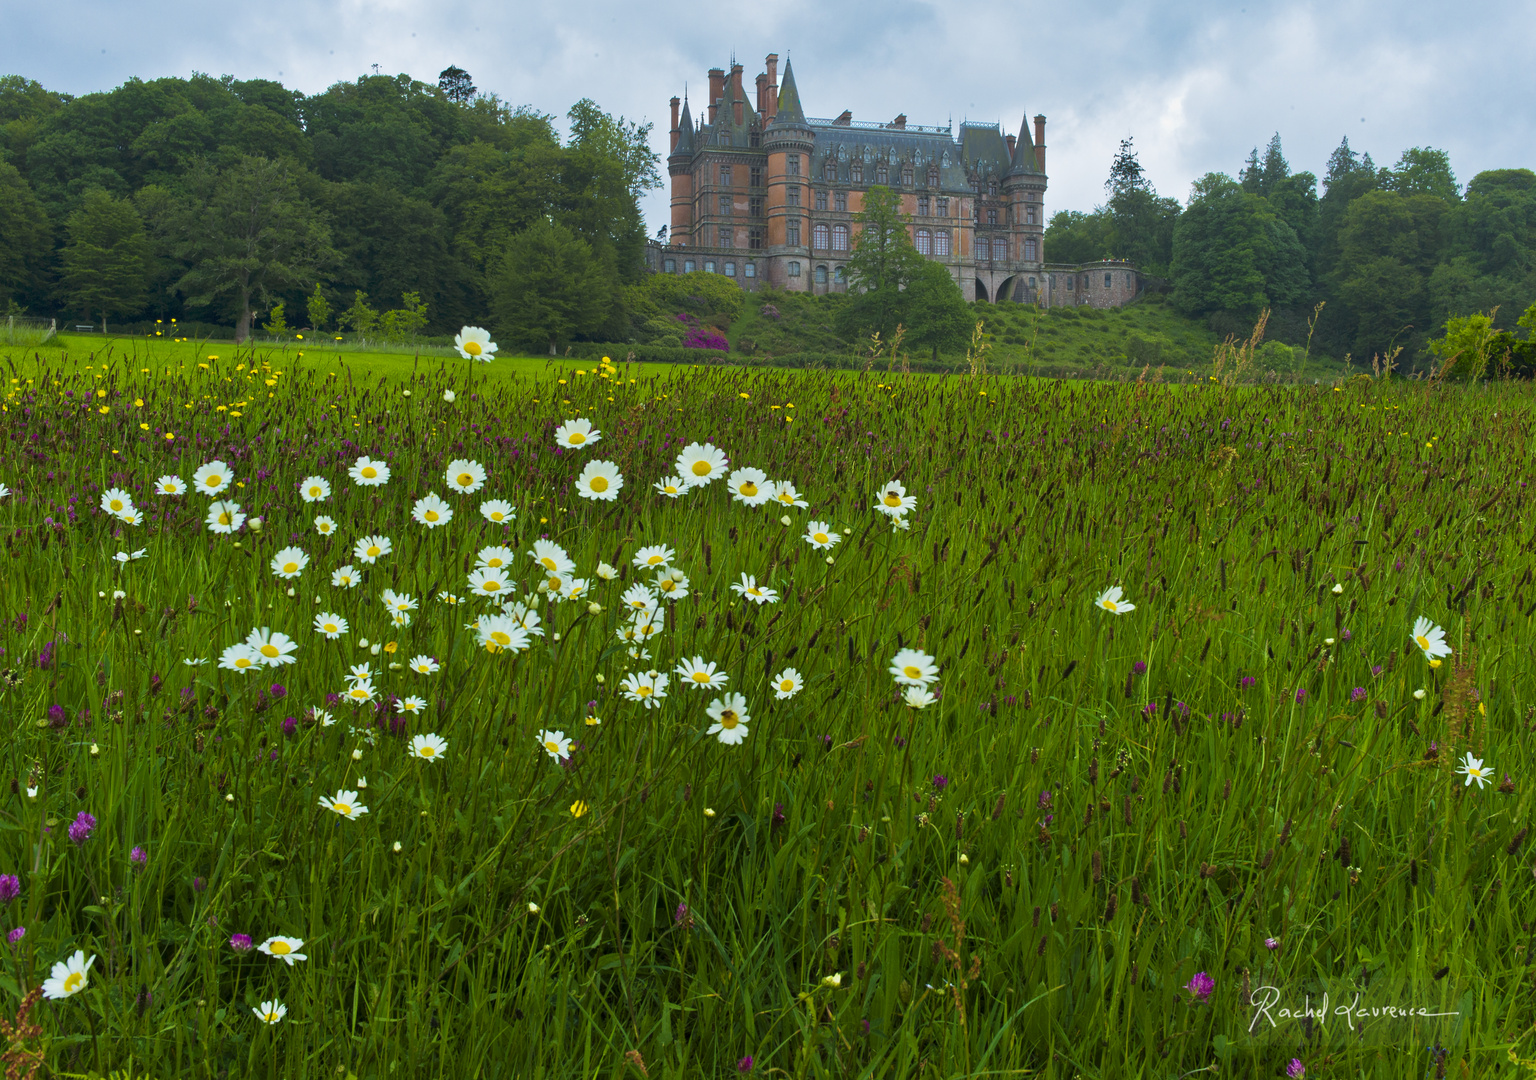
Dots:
pixel 762 88
pixel 1012 142
pixel 1040 143
pixel 738 95
pixel 716 88
pixel 772 110
pixel 675 130
pixel 845 119
pixel 900 123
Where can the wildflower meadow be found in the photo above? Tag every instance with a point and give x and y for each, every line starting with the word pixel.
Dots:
pixel 638 723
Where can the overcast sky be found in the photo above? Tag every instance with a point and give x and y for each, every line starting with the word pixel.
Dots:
pixel 1197 84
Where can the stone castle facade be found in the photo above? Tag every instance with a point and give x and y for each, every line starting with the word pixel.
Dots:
pixel 768 196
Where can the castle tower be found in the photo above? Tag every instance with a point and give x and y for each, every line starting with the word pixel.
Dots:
pixel 789 140
pixel 1024 192
pixel 680 168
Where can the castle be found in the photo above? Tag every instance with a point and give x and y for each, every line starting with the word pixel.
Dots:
pixel 765 195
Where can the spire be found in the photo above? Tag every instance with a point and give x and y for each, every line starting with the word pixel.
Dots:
pixel 789 111
pixel 685 131
pixel 1023 152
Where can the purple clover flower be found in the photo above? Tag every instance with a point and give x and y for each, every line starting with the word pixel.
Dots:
pixel 1357 694
pixel 15 936
pixel 10 888
pixel 81 828
pixel 1200 986
pixel 241 943
pixel 744 1065
pixel 1139 668
pixel 1246 682
pixel 940 782
pixel 1301 695
pixel 1295 1069
pixel 1271 943
pixel 138 856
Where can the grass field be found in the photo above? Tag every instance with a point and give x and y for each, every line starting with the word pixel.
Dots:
pixel 1059 841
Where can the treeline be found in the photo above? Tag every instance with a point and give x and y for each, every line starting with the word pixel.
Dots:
pixel 1394 253
pixel 216 199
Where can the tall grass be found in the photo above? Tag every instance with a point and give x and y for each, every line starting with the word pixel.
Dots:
pixel 1021 879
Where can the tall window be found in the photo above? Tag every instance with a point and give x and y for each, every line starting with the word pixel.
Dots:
pixel 829 171
pixel 755 138
pixel 689 266
pixel 1106 280
pixel 983 249
pixel 730 269
pixel 906 175
pixel 725 204
pixel 792 233
pixel 821 200
pixel 992 216
pixel 882 174
pixel 1029 214
pixel 839 238
pixel 933 176
pixel 840 276
pixel 857 172
pixel 749 270
pixel 999 248
pixel 840 200
pixel 820 275
pixel 709 266
pixel 756 176
pixel 821 236
pixel 943 208
pixel 724 137
pixel 924 242
pixel 792 195
pixel 725 176
pixel 1029 251
pixel 941 242
pixel 754 238
pixel 992 187
pixel 922 206
pixel 755 206
pixel 727 235
pixel 794 268
pixel 792 165
pixel 669 266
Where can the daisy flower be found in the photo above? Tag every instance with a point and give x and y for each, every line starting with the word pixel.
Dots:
pixel 360 692
pixel 749 486
pixel 647 688
pixel 447 598
pixel 474 343
pixel 170 485
pixel 1430 639
pixel 645 625
pixel 240 658
pixel 270 1012
pixel 749 589
pixel 325 526
pixel 498 511
pixel 576 434
pixel 909 667
pixel 344 577
pixel 489 583
pixel 131 516
pixel 424 665
pixel 69 977
pixel 116 501
pixel 396 602
pixel 275 649
pixel 370 548
pixel 552 557
pixel 821 536
pixel 918 697
pixel 573 588
pixel 323 718
pixel 698 465
pixel 428 747
pixel 224 517
pixel 599 480
pixel 464 477
pixel 1110 600
pixel 430 510
pixel 672 584
pixel 638 598
pixel 671 486
pixel 555 744
pixel 495 558
pixel 701 676
pixel 212 478
pixel 1472 768
pixel 289 563
pixel 331 625
pixel 366 472
pixel 314 489
pixel 787 683
pixel 345 803
pixel 124 557
pixel 730 716
pixel 502 632
pixel 654 557
pixel 894 500
pixel 360 672
pixel 285 949
pixel 783 492
pixel 523 615
pixel 411 705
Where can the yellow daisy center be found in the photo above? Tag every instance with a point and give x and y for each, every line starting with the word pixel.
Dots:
pixel 359 692
pixel 496 515
pixel 73 982
pixel 654 560
pixel 494 563
pixel 325 526
pixel 729 719
pixel 701 468
pixel 786 498
pixel 224 518
pixel 242 661
pixel 290 567
pixel 280 948
pixel 820 538
pixel 598 483
pixel 548 564
pixel 892 499
pixel 912 672
pixel 1422 642
pixel 117 504
pixel 332 628
pixel 701 676
pixel 374 550
pixel 667 586
pixel 500 637
pixel 269 650
pixel 345 810
pixel 430 515
pixel 427 751
pixel 644 691
pixel 552 746
pixel 466 480
pixel 369 472
pixel 749 489
pixel 1110 605
pixel 214 481
pixel 787 685
pixel 670 489
pixel 472 347
pixel 576 437
pixel 314 492
pixel 491 585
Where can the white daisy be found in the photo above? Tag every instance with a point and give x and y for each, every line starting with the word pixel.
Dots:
pixel 428 747
pixel 314 489
pixel 638 598
pixel 555 744
pixel 576 434
pixel 749 486
pixel 489 583
pixel 116 501
pixel 701 676
pixel 289 563
pixel 699 465
pixel 1472 768
pixel 647 688
pixel 821 536
pixel 285 949
pixel 330 625
pixel 345 803
pixel 654 557
pixel 909 667
pixel 170 485
pixel 749 589
pixel 344 577
pixel 495 558
pixel 411 705
pixel 224 517
pixel 371 548
pixel 69 977
pixel 498 511
pixel 599 480
pixel 499 632
pixel 464 477
pixel 552 557
pixel 241 658
pixel 673 584
pixel 671 486
pixel 396 602
pixel 424 665
pixel 1110 600
pixel 212 478
pixel 474 343
pixel 729 714
pixel 366 472
pixel 918 697
pixel 276 649
pixel 325 526
pixel 270 1012
pixel 894 500
pixel 787 683
pixel 523 615
pixel 784 493
pixel 1430 639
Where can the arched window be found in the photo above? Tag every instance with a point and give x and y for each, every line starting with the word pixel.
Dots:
pixel 820 275
pixel 882 174
pixel 820 235
pixel 857 171
pixel 983 249
pixel 839 238
pixel 829 171
pixel 941 242
pixel 730 269
pixel 906 175
pixel 688 266
pixel 999 248
pixel 1029 251
pixel 924 242
pixel 794 268
pixel 933 176
pixel 840 276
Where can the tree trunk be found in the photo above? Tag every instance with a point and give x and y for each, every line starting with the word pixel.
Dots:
pixel 103 322
pixel 935 354
pixel 551 346
pixel 243 326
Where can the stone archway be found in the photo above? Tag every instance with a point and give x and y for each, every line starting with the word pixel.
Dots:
pixel 981 290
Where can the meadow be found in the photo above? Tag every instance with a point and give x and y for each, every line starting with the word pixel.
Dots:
pixel 783 723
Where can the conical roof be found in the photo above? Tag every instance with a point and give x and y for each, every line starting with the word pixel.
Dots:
pixel 1024 160
pixel 685 132
pixel 790 111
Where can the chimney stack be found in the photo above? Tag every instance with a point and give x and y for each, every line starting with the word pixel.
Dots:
pixel 762 88
pixel 844 119
pixel 675 130
pixel 1040 143
pixel 772 63
pixel 1012 142
pixel 716 87
pixel 738 95
pixel 900 123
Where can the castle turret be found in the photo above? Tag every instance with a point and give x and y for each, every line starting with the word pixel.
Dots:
pixel 680 168
pixel 789 141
